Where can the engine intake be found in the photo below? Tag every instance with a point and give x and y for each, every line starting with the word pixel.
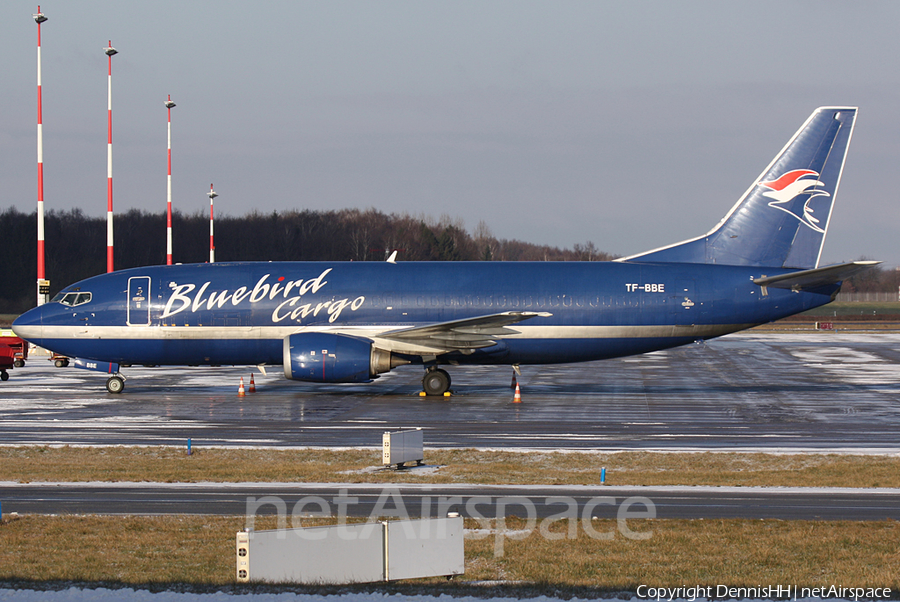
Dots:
pixel 335 358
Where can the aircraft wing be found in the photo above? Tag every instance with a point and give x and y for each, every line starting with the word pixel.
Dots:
pixel 470 333
pixel 807 279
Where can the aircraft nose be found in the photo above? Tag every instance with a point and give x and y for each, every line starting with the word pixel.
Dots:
pixel 29 325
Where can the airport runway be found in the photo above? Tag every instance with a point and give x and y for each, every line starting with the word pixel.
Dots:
pixel 406 500
pixel 759 391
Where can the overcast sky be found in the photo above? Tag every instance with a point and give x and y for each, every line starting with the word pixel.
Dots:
pixel 629 124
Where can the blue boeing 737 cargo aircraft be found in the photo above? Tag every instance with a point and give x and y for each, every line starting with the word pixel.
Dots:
pixel 337 322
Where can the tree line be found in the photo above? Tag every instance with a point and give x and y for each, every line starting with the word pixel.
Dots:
pixel 76 244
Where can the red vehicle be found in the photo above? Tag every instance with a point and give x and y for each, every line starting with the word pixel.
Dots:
pixel 13 353
pixel 19 347
pixel 7 360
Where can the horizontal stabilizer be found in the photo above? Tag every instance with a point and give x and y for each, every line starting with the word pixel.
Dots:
pixel 809 279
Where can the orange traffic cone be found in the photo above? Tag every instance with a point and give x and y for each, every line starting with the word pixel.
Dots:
pixel 514 382
pixel 517 398
pixel 241 388
pixel 252 384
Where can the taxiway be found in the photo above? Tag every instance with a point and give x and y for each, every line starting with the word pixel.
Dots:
pixel 475 501
pixel 819 391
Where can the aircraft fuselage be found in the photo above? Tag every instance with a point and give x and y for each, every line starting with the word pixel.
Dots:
pixel 239 313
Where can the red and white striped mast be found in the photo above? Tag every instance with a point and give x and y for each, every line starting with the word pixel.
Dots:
pixel 169 105
pixel 42 285
pixel 110 51
pixel 212 247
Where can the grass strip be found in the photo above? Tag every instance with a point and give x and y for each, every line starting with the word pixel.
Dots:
pixel 173 465
pixel 199 551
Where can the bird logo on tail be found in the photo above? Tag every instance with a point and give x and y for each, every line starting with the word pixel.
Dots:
pixel 792 185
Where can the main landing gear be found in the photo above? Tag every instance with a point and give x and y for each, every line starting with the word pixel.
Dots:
pixel 436 381
pixel 115 384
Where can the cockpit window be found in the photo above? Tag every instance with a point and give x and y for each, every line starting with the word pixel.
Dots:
pixel 72 299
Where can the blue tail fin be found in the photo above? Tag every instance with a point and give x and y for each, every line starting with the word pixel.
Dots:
pixel 782 219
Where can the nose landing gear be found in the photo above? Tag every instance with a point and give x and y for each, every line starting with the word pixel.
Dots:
pixel 115 384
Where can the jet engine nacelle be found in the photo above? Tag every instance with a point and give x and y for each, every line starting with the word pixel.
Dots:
pixel 335 358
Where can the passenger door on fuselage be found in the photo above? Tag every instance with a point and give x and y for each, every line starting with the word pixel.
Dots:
pixel 138 301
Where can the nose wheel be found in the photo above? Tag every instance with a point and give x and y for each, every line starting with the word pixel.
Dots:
pixel 436 382
pixel 115 384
